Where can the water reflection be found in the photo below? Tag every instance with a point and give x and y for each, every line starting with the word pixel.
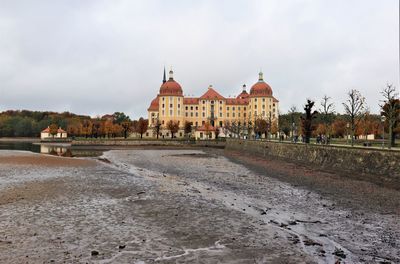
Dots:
pixel 50 149
pixel 56 150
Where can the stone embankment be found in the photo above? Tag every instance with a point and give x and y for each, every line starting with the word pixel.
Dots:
pixel 375 165
pixel 146 142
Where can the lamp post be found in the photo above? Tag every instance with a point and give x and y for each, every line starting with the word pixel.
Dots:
pixel 347 130
pixel 383 119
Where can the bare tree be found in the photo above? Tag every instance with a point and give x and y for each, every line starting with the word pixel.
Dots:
pixel 157 127
pixel 306 120
pixel 355 109
pixel 327 110
pixel 390 110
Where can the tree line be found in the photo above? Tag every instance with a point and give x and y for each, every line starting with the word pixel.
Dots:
pixel 30 123
pixel 356 121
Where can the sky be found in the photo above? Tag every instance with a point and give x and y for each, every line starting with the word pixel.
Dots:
pixel 96 57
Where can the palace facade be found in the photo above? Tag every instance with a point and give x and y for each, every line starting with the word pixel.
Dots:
pixel 211 111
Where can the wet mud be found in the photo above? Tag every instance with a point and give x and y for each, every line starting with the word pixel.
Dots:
pixel 179 206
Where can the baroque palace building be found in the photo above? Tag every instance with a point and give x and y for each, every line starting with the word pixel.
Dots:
pixel 210 111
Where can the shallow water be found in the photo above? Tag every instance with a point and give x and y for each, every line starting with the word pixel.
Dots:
pixel 62 150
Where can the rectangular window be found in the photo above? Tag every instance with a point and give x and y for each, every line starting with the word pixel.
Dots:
pixel 179 112
pixel 187 108
pixel 220 114
pixel 204 109
pixel 220 102
pixel 227 114
pixel 197 123
pixel 197 114
pixel 191 108
pixel 220 123
pixel 163 105
pixel 163 98
pixel 170 105
pixel 227 108
pixel 187 115
pixel 204 114
pixel 170 112
pixel 263 99
pixel 197 108
pixel 263 106
pixel 233 114
pixel 179 105
pixel 220 108
pixel 191 114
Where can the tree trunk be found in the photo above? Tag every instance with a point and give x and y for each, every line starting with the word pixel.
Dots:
pixel 391 138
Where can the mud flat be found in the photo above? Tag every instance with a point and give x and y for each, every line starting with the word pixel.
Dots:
pixel 181 206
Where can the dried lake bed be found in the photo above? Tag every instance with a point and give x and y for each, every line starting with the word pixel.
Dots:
pixel 189 206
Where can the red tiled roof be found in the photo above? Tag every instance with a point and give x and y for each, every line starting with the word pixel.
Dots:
pixel 243 95
pixel 154 105
pixel 211 94
pixel 192 100
pixel 59 130
pixel 171 87
pixel 236 101
pixel 260 89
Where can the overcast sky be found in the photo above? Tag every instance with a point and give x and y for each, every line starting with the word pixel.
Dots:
pixel 98 57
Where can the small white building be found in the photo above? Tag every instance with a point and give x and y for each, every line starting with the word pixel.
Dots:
pixel 45 134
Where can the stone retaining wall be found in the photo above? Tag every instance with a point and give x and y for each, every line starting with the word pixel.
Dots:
pixel 108 142
pixel 357 163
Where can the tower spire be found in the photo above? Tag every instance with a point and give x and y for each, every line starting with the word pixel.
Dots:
pixel 260 76
pixel 165 77
pixel 171 74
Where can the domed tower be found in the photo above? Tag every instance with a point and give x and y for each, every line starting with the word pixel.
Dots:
pixel 170 101
pixel 262 104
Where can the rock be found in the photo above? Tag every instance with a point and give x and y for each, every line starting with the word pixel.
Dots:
pixel 339 253
pixel 263 213
pixel 142 192
pixel 292 223
pixel 273 222
pixel 122 246
pixel 309 242
pixel 95 253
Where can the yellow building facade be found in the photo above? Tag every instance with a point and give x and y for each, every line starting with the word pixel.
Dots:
pixel 212 110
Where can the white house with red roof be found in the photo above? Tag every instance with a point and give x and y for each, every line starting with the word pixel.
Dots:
pixel 45 134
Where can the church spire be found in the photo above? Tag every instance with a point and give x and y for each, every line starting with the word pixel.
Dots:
pixel 165 77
